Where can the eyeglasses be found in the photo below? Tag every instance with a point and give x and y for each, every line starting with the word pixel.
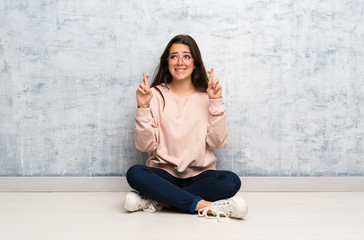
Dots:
pixel 174 58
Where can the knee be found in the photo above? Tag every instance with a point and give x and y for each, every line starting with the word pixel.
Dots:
pixel 236 182
pixel 133 173
pixel 229 184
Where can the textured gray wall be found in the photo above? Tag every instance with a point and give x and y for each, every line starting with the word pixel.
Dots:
pixel 292 72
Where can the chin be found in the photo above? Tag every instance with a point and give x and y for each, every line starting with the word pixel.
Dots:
pixel 181 78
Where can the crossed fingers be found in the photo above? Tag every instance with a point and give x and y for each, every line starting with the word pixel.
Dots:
pixel 144 85
pixel 214 84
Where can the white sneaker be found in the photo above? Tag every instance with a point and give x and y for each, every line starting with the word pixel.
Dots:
pixel 136 202
pixel 234 207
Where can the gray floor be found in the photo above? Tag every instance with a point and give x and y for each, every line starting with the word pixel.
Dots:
pixel 99 215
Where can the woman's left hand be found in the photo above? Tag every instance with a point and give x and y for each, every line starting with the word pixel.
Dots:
pixel 214 87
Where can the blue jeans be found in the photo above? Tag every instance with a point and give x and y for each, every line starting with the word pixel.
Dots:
pixel 183 194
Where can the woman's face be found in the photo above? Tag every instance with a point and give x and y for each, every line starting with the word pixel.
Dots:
pixel 180 62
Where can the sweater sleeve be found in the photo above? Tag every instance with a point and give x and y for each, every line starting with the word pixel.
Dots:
pixel 146 130
pixel 217 133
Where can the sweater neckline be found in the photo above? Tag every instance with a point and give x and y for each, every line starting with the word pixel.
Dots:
pixel 169 90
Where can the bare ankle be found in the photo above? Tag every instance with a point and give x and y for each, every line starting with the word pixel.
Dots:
pixel 202 204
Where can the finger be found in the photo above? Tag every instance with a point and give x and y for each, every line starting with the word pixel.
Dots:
pixel 211 74
pixel 144 87
pixel 217 89
pixel 210 83
pixel 216 81
pixel 141 91
pixel 145 82
pixel 145 78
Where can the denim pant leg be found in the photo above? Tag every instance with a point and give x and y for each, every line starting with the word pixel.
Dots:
pixel 158 185
pixel 213 185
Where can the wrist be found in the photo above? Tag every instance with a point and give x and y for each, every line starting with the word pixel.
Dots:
pixel 216 97
pixel 144 106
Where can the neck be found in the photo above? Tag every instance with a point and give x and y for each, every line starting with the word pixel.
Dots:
pixel 182 87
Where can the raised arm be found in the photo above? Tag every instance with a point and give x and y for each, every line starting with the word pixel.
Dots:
pixel 217 134
pixel 146 123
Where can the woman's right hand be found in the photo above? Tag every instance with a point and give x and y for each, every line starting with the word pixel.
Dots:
pixel 143 93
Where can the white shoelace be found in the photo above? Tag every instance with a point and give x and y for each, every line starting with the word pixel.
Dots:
pixel 217 213
pixel 152 206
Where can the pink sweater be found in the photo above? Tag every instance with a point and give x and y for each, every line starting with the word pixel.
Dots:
pixel 180 139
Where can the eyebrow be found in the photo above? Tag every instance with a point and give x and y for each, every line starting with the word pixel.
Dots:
pixel 182 52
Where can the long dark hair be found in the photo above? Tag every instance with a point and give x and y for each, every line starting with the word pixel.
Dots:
pixel 199 76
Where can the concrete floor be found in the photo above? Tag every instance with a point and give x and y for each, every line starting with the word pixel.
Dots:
pixel 100 215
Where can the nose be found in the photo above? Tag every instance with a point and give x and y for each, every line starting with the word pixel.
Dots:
pixel 179 60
